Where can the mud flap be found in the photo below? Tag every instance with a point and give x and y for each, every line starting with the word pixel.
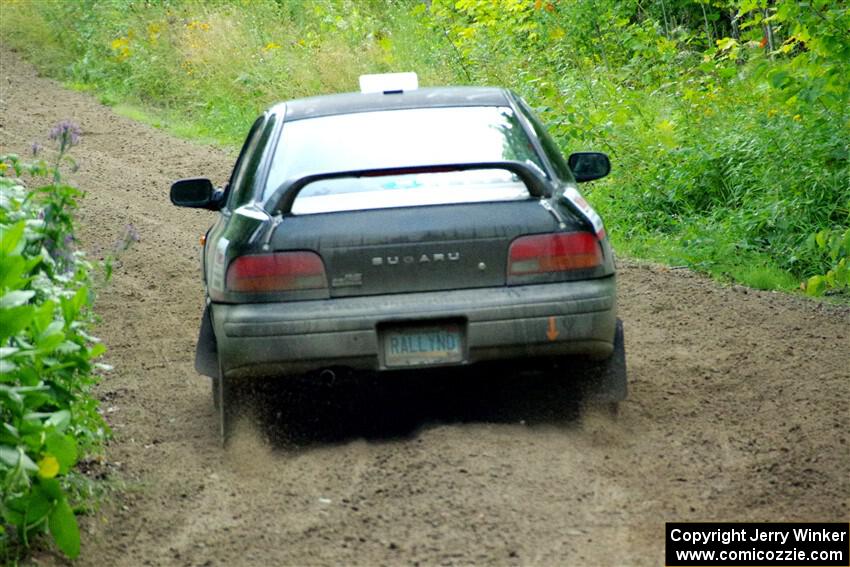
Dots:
pixel 206 353
pixel 606 381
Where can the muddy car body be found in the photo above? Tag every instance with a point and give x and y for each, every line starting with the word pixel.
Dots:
pixel 400 230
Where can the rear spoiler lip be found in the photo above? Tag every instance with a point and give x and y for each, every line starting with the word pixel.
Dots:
pixel 283 197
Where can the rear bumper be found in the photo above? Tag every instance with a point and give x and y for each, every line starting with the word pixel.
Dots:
pixel 265 339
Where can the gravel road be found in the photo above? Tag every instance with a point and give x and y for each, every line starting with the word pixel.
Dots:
pixel 738 411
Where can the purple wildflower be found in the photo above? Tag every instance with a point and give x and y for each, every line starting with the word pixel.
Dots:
pixel 36 147
pixel 66 133
pixel 132 233
pixel 65 259
pixel 131 236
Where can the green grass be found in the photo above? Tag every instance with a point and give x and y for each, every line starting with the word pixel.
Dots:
pixel 175 124
pixel 764 277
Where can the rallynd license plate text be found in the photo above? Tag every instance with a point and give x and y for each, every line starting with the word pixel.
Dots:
pixel 433 345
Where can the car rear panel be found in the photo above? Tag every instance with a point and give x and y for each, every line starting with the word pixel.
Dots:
pixel 566 318
pixel 415 249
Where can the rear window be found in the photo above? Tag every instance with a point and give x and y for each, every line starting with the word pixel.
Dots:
pixel 401 138
pixel 409 190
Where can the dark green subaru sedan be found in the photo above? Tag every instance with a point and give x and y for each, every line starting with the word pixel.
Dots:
pixel 401 228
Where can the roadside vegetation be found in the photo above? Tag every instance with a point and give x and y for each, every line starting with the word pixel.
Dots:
pixel 727 120
pixel 50 419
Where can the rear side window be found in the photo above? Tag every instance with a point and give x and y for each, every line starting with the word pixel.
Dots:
pixel 236 187
pixel 550 148
pixel 247 167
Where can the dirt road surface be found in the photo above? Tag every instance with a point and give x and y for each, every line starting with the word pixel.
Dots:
pixel 738 411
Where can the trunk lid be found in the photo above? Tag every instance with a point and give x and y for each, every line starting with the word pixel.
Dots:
pixel 428 248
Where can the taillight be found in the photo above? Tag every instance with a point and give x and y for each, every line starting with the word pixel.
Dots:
pixel 547 253
pixel 281 271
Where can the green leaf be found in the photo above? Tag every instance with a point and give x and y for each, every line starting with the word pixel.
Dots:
pixel 51 488
pixel 59 420
pixel 6 368
pixel 12 456
pixel 14 319
pixel 67 347
pixel 726 43
pixel 16 298
pixel 12 516
pixel 71 307
pixel 10 431
pixel 12 269
pixel 11 238
pixel 96 350
pixel 48 342
pixel 779 79
pixel 8 351
pixel 816 285
pixel 37 508
pixel 64 449
pixel 63 527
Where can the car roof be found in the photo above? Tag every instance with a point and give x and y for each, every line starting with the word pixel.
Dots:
pixel 432 97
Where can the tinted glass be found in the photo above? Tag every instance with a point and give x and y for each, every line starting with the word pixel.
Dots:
pixel 398 138
pixel 236 187
pixel 250 162
pixel 550 148
pixel 409 190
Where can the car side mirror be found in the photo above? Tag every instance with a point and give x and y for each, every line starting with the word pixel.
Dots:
pixel 587 166
pixel 196 192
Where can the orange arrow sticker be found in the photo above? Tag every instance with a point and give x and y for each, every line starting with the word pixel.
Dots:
pixel 552 333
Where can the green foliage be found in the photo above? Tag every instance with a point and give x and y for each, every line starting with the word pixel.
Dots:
pixel 209 68
pixel 727 153
pixel 835 245
pixel 49 417
pixel 726 120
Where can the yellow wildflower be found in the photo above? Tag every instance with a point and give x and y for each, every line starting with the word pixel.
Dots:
pixel 121 47
pixel 153 32
pixel 48 467
pixel 196 25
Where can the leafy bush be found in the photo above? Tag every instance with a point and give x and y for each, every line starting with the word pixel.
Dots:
pixel 727 122
pixel 835 245
pixel 49 416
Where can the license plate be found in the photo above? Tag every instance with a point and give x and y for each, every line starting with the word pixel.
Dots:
pixel 422 346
